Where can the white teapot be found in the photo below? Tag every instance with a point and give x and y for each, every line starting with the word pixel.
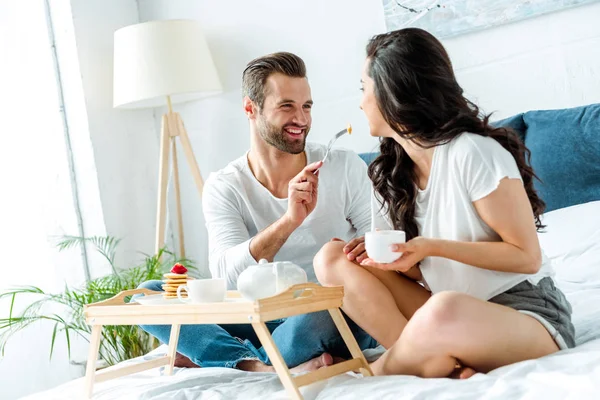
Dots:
pixel 267 279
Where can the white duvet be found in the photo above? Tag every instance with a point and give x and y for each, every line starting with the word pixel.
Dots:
pixel 572 242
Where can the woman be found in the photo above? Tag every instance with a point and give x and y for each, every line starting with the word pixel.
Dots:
pixel 463 193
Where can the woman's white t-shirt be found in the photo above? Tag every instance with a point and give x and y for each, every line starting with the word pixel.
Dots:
pixel 466 169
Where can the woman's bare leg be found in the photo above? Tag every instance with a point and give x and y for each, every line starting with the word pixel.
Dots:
pixel 380 302
pixel 453 326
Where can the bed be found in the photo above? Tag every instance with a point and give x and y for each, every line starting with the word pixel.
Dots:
pixel 568 160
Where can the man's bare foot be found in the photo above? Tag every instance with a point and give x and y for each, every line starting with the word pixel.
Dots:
pixel 182 361
pixel 324 360
pixel 254 366
pixel 312 365
pixel 337 360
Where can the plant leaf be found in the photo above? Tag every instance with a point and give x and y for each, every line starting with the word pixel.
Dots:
pixel 68 341
pixel 68 241
pixel 12 304
pixel 106 246
pixel 53 339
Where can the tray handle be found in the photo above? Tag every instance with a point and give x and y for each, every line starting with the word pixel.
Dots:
pixel 308 289
pixel 119 298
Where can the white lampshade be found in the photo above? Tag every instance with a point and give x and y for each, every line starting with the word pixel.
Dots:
pixel 156 59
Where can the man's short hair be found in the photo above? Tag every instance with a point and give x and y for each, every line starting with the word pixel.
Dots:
pixel 258 71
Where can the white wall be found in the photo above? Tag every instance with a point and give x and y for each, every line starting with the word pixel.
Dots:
pixel 552 61
pixel 546 62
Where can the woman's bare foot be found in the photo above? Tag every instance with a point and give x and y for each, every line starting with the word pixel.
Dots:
pixel 323 360
pixel 462 372
pixel 466 373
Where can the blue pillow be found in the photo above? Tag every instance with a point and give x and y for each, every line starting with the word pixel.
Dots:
pixel 515 122
pixel 565 152
pixel 368 157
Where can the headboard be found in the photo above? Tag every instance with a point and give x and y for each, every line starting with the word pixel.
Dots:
pixel 565 152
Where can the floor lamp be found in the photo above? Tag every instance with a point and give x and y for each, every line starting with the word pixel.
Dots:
pixel 160 63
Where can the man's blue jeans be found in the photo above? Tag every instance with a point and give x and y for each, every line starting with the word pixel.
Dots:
pixel 299 339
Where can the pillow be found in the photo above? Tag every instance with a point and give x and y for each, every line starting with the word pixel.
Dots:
pixel 565 154
pixel 515 122
pixel 572 241
pixel 368 157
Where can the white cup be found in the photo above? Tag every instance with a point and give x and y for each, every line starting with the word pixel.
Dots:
pixel 377 244
pixel 203 291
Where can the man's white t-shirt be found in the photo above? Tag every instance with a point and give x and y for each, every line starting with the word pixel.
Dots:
pixel 465 170
pixel 236 207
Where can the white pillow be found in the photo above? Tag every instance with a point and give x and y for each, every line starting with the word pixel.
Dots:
pixel 572 241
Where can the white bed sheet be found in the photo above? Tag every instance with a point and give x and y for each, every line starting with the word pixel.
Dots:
pixel 570 374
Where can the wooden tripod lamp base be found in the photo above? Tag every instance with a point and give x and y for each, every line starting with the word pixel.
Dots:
pixel 172 128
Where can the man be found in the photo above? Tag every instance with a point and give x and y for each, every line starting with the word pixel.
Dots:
pixel 278 202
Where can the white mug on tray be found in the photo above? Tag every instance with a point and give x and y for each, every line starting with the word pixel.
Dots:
pixel 203 291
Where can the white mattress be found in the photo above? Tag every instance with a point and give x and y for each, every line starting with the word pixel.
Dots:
pixel 572 242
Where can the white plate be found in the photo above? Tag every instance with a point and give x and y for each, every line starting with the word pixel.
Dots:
pixel 159 300
pixel 156 300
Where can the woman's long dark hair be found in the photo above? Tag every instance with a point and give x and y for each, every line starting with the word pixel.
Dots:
pixel 419 97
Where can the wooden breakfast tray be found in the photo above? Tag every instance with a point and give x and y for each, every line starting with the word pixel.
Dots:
pixel 235 310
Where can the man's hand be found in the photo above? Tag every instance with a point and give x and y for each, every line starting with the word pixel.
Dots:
pixel 355 249
pixel 302 194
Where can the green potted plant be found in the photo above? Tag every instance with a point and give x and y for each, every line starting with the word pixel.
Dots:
pixel 118 343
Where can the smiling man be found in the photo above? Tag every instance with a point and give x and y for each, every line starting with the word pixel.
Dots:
pixel 271 204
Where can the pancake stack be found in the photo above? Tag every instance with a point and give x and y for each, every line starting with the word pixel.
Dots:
pixel 172 280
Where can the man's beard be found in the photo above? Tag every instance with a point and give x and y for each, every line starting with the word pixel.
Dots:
pixel 279 138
